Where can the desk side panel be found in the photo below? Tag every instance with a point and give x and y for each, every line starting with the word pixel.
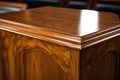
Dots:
pixel 101 61
pixel 25 58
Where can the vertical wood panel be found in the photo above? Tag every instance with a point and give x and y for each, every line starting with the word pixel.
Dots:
pixel 26 58
pixel 101 61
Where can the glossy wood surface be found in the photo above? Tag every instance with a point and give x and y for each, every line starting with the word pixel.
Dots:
pixel 61 24
pixel 58 18
pixel 59 44
pixel 25 58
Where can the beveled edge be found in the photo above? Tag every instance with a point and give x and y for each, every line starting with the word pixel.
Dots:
pixel 40 33
pixel 100 36
pixel 58 37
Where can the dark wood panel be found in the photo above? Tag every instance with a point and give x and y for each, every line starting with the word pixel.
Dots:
pixel 101 61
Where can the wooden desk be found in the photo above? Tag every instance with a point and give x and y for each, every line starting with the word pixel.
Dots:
pixel 59 44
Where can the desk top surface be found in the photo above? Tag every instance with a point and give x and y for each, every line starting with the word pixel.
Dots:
pixel 66 25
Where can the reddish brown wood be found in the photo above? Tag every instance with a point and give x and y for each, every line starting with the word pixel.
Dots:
pixel 101 61
pixel 25 58
pixel 71 44
pixel 46 20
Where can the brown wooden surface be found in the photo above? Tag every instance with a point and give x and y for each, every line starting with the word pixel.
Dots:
pixel 24 58
pixel 22 6
pixel 63 26
pixel 59 44
pixel 101 61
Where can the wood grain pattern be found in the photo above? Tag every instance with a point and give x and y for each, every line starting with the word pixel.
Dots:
pixel 25 58
pixel 101 61
pixel 47 44
pixel 55 25
pixel 58 18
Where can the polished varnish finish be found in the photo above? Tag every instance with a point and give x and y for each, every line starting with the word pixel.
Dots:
pixel 59 44
pixel 58 21
pixel 25 58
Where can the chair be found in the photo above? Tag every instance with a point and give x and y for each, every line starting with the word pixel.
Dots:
pixel 78 4
pixel 41 3
pixel 11 6
pixel 107 6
